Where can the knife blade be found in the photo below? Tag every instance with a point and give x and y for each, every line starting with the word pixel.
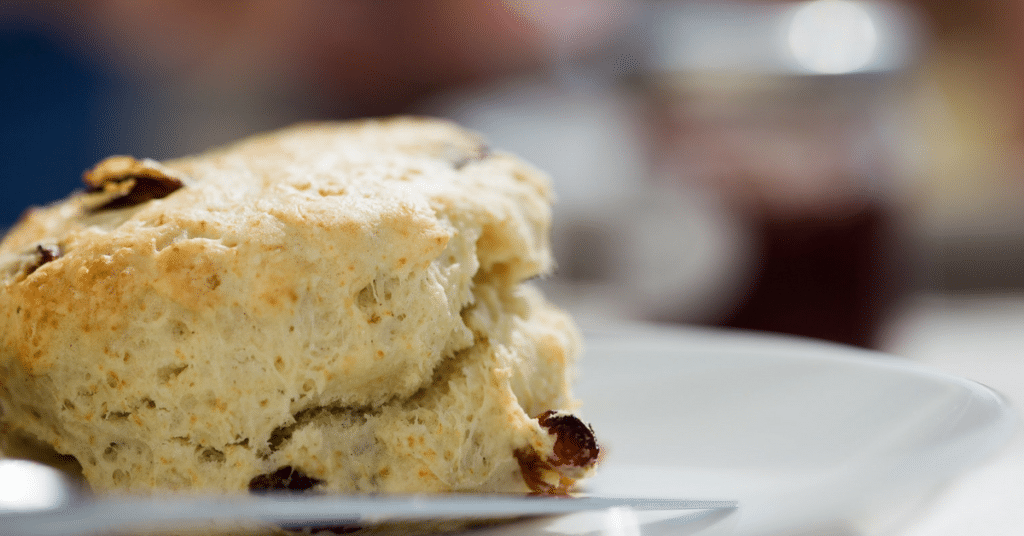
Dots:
pixel 100 515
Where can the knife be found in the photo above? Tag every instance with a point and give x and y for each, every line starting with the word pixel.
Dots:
pixel 38 500
pixel 91 516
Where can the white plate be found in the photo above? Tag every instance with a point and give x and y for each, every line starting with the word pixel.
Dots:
pixel 805 435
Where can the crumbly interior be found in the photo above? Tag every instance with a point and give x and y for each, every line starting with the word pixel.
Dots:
pixel 347 300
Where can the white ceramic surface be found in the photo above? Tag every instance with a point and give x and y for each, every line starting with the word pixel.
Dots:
pixel 807 436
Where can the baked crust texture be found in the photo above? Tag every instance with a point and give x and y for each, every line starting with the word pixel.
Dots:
pixel 346 299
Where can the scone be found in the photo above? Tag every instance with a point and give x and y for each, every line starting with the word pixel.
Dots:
pixel 338 307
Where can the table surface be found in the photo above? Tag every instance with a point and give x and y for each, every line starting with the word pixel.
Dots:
pixel 980 338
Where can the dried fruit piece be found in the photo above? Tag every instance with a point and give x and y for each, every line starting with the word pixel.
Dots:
pixel 539 475
pixel 44 254
pixel 128 182
pixel 332 529
pixel 286 478
pixel 575 451
pixel 576 445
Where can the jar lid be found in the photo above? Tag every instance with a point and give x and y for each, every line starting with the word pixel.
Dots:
pixel 782 40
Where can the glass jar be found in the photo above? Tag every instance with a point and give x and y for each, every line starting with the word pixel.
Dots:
pixel 803 149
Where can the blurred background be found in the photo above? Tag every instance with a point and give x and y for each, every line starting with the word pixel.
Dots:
pixel 818 168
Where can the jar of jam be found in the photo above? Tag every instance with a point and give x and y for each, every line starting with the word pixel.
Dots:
pixel 789 115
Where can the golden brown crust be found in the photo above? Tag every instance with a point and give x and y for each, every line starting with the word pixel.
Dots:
pixel 335 297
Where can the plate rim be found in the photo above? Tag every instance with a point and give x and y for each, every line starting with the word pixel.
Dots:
pixel 933 468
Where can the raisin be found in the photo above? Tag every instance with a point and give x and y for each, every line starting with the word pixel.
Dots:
pixel 575 444
pixel 286 478
pixel 44 254
pixel 131 181
pixel 534 470
pixel 332 529
pixel 145 189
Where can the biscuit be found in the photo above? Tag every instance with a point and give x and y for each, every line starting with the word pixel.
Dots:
pixel 334 306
